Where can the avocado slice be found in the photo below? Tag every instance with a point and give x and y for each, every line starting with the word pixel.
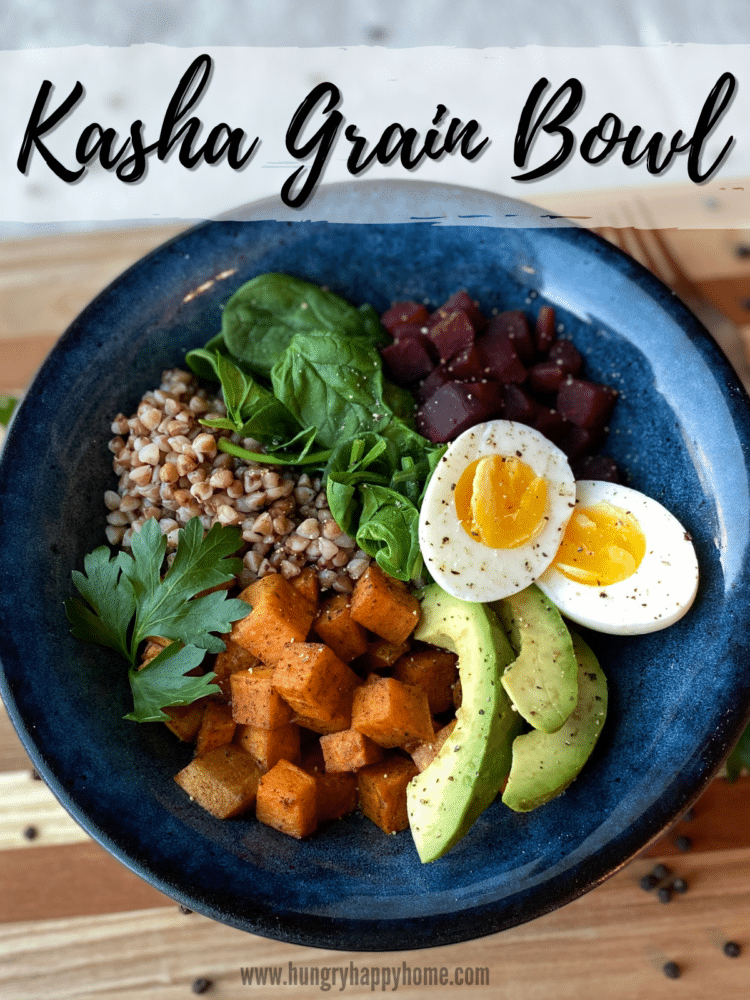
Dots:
pixel 446 798
pixel 542 682
pixel 544 764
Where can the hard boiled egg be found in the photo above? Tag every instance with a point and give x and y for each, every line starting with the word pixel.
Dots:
pixel 495 511
pixel 625 566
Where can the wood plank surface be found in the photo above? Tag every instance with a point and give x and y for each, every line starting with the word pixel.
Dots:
pixel 75 923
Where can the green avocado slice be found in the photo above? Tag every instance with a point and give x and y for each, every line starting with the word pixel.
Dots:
pixel 446 798
pixel 544 764
pixel 542 682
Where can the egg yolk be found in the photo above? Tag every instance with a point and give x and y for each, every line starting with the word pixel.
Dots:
pixel 602 544
pixel 500 501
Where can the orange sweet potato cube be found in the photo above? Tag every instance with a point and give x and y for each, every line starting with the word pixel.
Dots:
pixel 224 781
pixel 348 751
pixel 434 670
pixel 382 792
pixel 256 702
pixel 380 655
pixel 338 630
pixel 281 614
pixel 424 753
pixel 317 684
pixel 384 605
pixel 230 661
pixel 391 713
pixel 307 584
pixel 268 746
pixel 337 795
pixel 185 720
pixel 287 800
pixel 217 728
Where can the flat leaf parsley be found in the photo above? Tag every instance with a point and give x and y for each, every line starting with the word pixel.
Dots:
pixel 126 599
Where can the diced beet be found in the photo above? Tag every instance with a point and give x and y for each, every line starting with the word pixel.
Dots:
pixel 500 360
pixel 514 325
pixel 409 358
pixel 452 334
pixel 454 408
pixel 403 329
pixel 518 405
pixel 597 467
pixel 404 312
pixel 551 424
pixel 566 355
pixel 467 364
pixel 546 376
pixel 579 441
pixel 460 302
pixel 585 404
pixel 544 332
pixel 437 378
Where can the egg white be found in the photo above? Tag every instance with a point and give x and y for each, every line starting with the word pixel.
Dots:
pixel 460 564
pixel 660 591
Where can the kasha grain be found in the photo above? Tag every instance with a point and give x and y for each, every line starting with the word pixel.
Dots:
pixel 170 468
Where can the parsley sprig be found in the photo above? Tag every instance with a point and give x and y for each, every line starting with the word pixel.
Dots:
pixel 126 600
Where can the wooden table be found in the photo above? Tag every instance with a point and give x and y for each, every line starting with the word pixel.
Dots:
pixel 74 923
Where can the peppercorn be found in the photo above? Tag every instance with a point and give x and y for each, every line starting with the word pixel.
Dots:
pixel 184 909
pixel 30 832
pixel 731 949
pixel 671 970
pixel 649 882
pixel 683 843
pixel 665 894
pixel 678 885
pixel 201 985
pixel 661 871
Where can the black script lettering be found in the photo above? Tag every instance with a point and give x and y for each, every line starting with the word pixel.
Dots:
pixel 322 142
pixel 528 126
pixel 37 128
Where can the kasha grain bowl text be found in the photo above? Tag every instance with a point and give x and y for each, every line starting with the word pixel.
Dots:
pixel 678 698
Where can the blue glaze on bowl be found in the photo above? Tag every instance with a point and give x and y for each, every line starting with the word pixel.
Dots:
pixel 678 699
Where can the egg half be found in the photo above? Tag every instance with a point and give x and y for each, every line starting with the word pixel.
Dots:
pixel 626 565
pixel 495 510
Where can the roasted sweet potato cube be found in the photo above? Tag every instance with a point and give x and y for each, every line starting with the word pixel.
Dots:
pixel 324 722
pixel 382 792
pixel 380 656
pixel 337 795
pixel 423 754
pixel 384 605
pixel 268 746
pixel 230 661
pixel 434 670
pixel 224 781
pixel 256 702
pixel 185 720
pixel 338 630
pixel 391 713
pixel 288 800
pixel 316 683
pixel 281 614
pixel 217 728
pixel 307 584
pixel 348 751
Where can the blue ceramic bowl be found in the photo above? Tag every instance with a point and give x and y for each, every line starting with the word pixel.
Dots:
pixel 678 700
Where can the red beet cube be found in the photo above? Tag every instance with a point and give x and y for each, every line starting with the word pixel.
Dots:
pixel 544 332
pixel 404 329
pixel 566 356
pixel 404 312
pixel 409 358
pixel 585 404
pixel 518 405
pixel 467 364
pixel 460 302
pixel 455 407
pixel 514 325
pixel 546 376
pixel 452 334
pixel 437 378
pixel 551 424
pixel 500 360
pixel 597 467
pixel 579 441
